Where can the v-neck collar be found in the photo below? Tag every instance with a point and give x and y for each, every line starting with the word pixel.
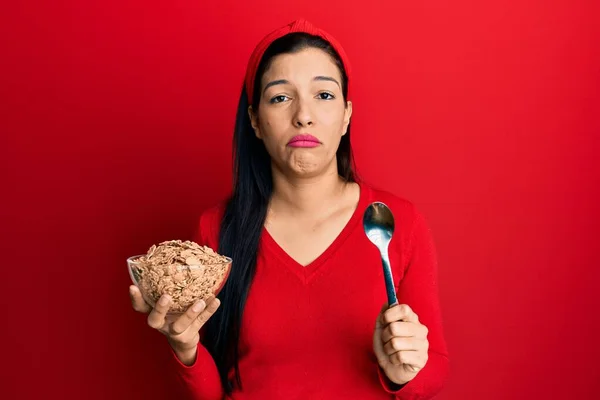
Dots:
pixel 305 273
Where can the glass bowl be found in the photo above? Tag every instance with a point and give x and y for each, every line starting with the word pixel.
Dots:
pixel 184 293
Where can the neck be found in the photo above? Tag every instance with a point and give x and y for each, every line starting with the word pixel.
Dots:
pixel 306 195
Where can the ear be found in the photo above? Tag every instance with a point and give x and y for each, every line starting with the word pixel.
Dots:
pixel 347 115
pixel 254 121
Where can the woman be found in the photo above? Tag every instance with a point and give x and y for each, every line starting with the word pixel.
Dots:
pixel 303 314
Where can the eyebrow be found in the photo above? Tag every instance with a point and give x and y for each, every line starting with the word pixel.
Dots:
pixel 285 81
pixel 277 82
pixel 327 78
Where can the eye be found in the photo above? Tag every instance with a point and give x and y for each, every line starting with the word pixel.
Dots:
pixel 278 99
pixel 326 96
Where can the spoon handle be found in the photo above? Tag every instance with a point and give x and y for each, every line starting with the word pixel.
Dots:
pixel 389 280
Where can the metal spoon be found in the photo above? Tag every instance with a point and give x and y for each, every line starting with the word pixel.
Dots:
pixel 378 223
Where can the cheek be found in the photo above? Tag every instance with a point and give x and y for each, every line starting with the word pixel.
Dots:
pixel 271 134
pixel 272 124
pixel 333 118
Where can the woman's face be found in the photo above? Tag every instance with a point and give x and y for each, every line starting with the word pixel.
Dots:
pixel 302 114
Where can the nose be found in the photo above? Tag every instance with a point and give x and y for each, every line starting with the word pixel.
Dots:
pixel 302 115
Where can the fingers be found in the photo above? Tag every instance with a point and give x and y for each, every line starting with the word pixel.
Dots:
pixel 156 318
pixel 414 359
pixel 137 301
pixel 379 320
pixel 397 344
pixel 403 329
pixel 208 312
pixel 401 312
pixel 184 321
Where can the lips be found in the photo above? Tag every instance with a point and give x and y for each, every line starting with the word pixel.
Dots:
pixel 305 138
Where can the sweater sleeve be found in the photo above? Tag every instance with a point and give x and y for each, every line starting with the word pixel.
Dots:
pixel 199 381
pixel 419 290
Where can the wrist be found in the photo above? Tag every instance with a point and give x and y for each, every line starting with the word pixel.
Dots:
pixel 396 384
pixel 185 353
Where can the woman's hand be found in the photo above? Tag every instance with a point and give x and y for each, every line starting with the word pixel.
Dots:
pixel 182 333
pixel 400 343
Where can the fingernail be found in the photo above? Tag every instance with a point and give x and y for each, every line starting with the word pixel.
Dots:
pixel 164 300
pixel 198 306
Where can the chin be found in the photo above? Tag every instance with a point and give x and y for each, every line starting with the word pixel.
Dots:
pixel 306 172
pixel 305 165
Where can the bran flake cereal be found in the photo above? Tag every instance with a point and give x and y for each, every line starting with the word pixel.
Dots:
pixel 184 270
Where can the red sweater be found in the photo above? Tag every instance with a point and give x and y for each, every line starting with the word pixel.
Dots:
pixel 307 332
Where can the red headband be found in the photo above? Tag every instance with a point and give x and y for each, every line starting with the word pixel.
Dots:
pixel 299 25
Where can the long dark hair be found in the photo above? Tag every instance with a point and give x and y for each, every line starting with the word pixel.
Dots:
pixel 246 210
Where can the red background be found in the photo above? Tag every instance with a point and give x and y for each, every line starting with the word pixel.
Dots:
pixel 116 122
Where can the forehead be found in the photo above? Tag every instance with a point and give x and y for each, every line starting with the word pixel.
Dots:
pixel 306 63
